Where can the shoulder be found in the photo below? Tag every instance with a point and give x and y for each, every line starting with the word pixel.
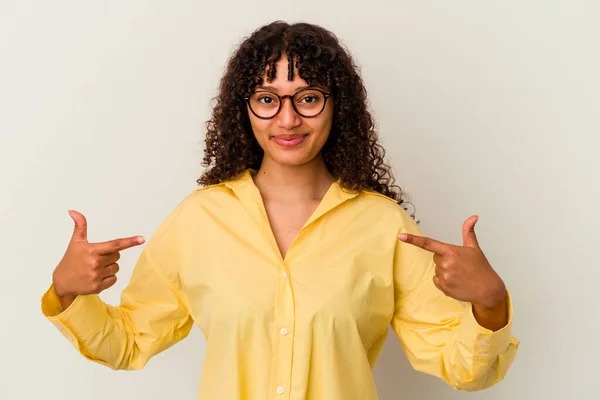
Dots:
pixel 378 206
pixel 198 203
pixel 381 204
pixel 213 197
pixel 207 193
pixel 214 194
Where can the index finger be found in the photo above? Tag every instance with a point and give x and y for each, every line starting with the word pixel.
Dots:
pixel 115 245
pixel 426 243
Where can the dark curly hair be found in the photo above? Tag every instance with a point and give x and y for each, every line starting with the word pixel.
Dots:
pixel 352 152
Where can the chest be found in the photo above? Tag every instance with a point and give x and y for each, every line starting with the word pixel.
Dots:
pixel 286 221
pixel 335 274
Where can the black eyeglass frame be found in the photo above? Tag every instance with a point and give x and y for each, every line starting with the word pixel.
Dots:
pixel 291 97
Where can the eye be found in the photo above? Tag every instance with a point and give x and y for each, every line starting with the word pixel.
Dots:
pixel 266 99
pixel 309 99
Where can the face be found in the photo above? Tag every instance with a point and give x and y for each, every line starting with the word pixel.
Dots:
pixel 288 138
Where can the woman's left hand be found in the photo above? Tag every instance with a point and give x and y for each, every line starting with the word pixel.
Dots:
pixel 463 272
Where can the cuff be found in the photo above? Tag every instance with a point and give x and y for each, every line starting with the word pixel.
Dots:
pixel 483 342
pixel 85 316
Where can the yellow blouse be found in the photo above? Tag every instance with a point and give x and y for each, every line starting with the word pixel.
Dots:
pixel 310 326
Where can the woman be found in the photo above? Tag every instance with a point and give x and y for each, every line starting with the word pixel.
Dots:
pixel 295 254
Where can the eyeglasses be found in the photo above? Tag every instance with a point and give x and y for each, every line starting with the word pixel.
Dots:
pixel 307 103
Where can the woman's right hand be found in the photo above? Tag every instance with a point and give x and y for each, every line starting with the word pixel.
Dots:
pixel 88 268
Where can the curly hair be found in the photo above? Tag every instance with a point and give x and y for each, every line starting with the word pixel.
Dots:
pixel 352 152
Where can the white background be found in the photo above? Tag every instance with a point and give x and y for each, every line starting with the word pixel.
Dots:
pixel 488 108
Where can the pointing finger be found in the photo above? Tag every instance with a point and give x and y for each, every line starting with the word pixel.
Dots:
pixel 426 243
pixel 116 245
pixel 80 229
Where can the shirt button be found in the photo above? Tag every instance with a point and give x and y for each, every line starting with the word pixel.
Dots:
pixel 284 274
pixel 485 342
pixel 280 390
pixel 283 331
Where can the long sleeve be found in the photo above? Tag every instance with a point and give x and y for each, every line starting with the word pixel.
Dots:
pixel 440 335
pixel 151 317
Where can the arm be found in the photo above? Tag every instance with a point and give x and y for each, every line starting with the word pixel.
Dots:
pixel 441 336
pixel 152 315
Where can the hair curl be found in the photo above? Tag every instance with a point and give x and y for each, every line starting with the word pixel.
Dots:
pixel 352 152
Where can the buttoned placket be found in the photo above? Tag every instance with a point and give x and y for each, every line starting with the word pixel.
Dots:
pixel 284 327
pixel 284 308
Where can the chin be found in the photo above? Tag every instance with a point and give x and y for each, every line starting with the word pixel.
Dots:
pixel 290 158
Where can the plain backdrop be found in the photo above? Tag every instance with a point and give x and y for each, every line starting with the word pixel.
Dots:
pixel 488 108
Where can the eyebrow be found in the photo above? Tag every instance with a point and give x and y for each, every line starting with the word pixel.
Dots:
pixel 274 89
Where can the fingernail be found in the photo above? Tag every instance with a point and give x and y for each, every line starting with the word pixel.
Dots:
pixel 141 239
pixel 403 236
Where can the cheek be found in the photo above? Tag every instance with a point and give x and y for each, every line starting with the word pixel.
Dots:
pixel 322 127
pixel 260 129
pixel 322 132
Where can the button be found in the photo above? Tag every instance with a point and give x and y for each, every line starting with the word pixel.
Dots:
pixel 284 274
pixel 483 352
pixel 280 390
pixel 485 342
pixel 283 331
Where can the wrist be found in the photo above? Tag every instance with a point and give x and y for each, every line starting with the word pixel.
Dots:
pixel 494 302
pixel 58 288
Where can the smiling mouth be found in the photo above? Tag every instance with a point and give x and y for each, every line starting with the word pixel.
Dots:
pixel 289 141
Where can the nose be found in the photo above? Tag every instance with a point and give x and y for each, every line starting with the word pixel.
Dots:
pixel 288 118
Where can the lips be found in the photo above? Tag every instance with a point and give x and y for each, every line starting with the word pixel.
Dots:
pixel 289 141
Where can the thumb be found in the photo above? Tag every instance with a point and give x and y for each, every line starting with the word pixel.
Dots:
pixel 80 230
pixel 468 232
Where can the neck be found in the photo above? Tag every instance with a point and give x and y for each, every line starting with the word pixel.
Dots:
pixel 303 182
